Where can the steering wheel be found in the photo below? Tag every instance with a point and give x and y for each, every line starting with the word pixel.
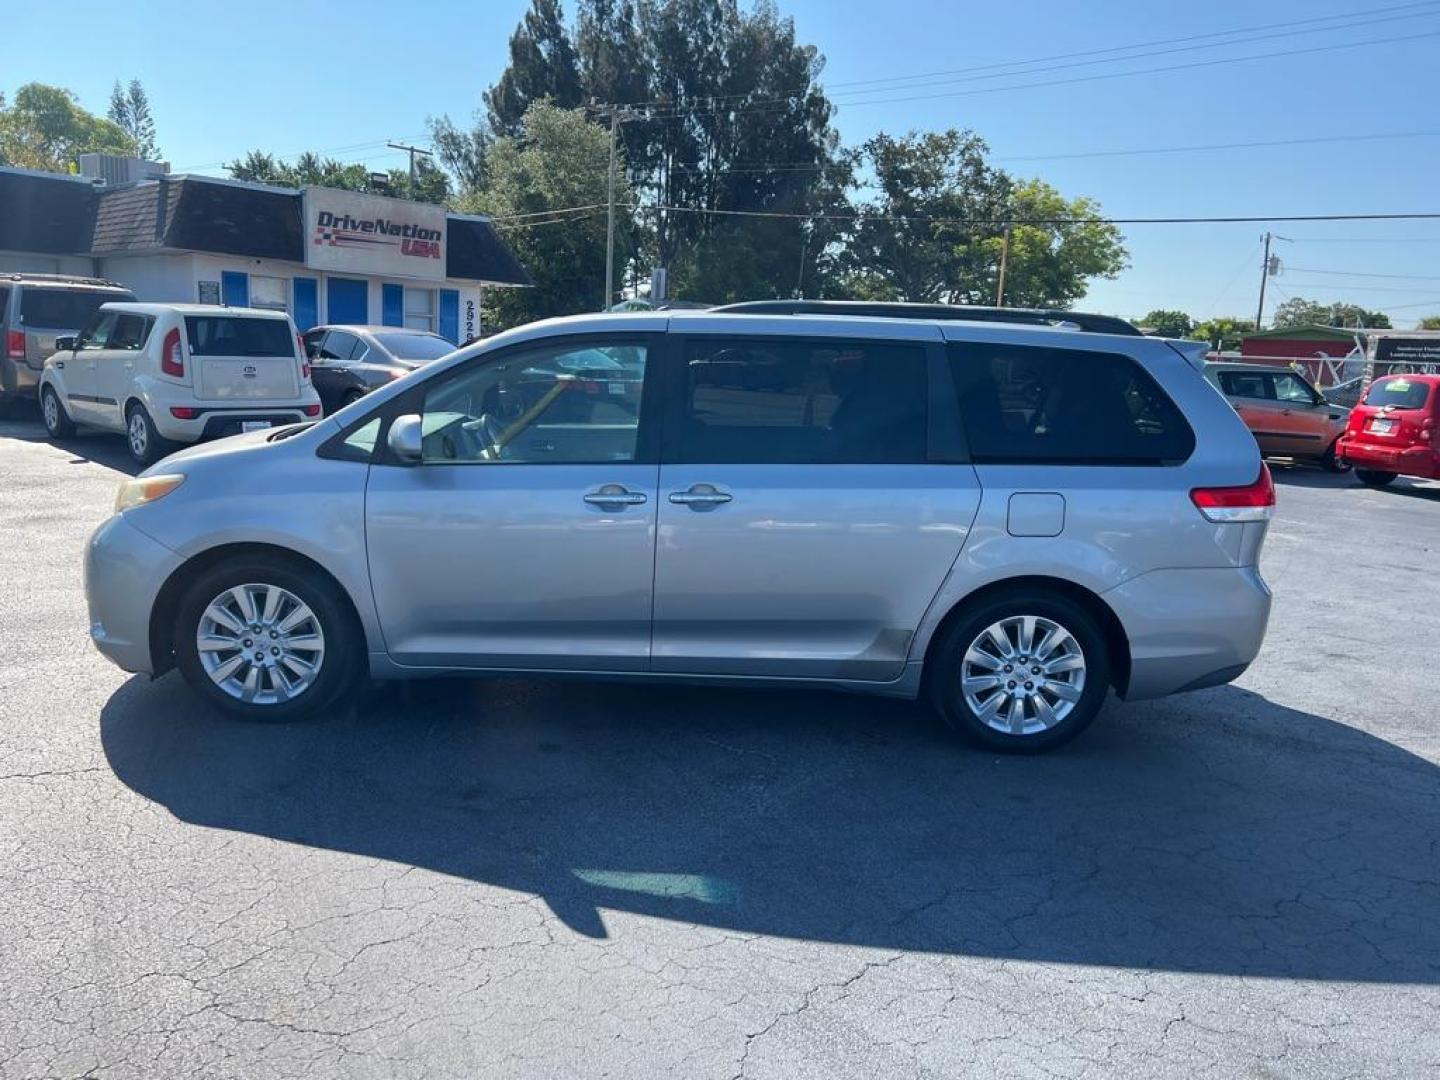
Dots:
pixel 491 431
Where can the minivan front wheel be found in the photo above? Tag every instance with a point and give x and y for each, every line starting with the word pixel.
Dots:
pixel 1023 672
pixel 263 641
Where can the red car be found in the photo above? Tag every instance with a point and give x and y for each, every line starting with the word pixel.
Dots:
pixel 1395 430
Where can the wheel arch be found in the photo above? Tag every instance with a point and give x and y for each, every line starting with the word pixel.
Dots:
pixel 1116 639
pixel 167 600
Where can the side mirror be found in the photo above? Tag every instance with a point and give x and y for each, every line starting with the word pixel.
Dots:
pixel 66 342
pixel 404 439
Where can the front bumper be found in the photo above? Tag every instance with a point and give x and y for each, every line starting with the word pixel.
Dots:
pixel 124 571
pixel 1190 628
pixel 1407 461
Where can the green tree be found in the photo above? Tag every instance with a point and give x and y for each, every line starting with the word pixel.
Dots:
pixel 462 151
pixel 1224 332
pixel 542 65
pixel 1168 323
pixel 47 129
pixel 930 230
pixel 1301 312
pixel 310 169
pixel 1430 322
pixel 130 111
pixel 548 165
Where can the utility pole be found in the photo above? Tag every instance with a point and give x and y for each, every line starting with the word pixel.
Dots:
pixel 618 116
pixel 413 151
pixel 1264 274
pixel 1004 264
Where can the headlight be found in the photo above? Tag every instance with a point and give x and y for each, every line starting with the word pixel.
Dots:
pixel 144 489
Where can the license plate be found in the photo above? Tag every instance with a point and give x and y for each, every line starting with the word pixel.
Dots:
pixel 1382 427
pixel 254 425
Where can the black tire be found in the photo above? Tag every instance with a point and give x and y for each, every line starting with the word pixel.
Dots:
pixel 340 664
pixel 58 424
pixel 947 664
pixel 1331 463
pixel 1374 478
pixel 148 447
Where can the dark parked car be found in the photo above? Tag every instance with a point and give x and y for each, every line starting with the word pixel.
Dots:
pixel 347 362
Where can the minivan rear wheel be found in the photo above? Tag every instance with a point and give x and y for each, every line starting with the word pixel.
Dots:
pixel 1023 672
pixel 1332 462
pixel 263 641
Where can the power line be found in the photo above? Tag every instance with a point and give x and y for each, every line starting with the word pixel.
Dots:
pixel 775 104
pixel 1361 273
pixel 1001 222
pixel 1140 45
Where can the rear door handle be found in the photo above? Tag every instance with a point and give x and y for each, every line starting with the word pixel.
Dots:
pixel 615 495
pixel 701 497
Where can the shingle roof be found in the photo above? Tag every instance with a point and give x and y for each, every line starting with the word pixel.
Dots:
pixel 44 213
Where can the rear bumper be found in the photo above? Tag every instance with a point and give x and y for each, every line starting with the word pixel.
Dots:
pixel 18 379
pixel 1409 461
pixel 213 423
pixel 1190 628
pixel 124 570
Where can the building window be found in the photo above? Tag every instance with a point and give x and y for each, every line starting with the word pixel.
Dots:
pixel 420 309
pixel 269 292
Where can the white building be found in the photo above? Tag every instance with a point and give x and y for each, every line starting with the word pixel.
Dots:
pixel 323 255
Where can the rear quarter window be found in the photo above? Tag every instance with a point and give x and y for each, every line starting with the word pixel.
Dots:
pixel 62 309
pixel 230 335
pixel 1398 393
pixel 1031 405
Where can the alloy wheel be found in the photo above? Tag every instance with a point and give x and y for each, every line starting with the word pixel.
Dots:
pixel 51 410
pixel 260 644
pixel 139 434
pixel 1023 674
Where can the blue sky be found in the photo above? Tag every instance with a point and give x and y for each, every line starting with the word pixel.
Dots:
pixel 344 78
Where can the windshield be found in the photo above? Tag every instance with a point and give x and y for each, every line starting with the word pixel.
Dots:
pixel 234 335
pixel 63 309
pixel 416 347
pixel 1398 393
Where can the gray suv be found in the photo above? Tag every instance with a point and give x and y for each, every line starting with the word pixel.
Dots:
pixel 35 309
pixel 1005 519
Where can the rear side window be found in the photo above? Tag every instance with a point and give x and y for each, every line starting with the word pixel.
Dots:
pixel 774 401
pixel 1248 384
pixel 4 304
pixel 229 335
pixel 62 309
pixel 1398 393
pixel 1022 404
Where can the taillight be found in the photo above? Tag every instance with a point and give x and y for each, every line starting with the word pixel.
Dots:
pixel 1427 430
pixel 172 355
pixel 15 344
pixel 182 412
pixel 304 370
pixel 304 358
pixel 1253 502
pixel 312 410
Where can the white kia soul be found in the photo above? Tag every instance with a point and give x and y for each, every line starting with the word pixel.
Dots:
pixel 164 374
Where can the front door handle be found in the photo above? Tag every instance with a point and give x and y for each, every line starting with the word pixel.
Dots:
pixel 613 496
pixel 701 497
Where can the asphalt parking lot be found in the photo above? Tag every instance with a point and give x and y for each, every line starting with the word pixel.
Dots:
pixel 508 879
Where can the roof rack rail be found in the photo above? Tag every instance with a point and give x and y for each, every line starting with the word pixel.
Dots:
pixel 61 279
pixel 1094 324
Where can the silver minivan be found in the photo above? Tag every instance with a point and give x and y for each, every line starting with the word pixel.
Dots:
pixel 1006 519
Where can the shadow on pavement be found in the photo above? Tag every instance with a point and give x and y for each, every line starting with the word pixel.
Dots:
pixel 100 447
pixel 1214 833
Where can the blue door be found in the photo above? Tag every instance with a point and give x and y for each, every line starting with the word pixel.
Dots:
pixel 392 305
pixel 450 315
pixel 234 288
pixel 347 301
pixel 306 304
